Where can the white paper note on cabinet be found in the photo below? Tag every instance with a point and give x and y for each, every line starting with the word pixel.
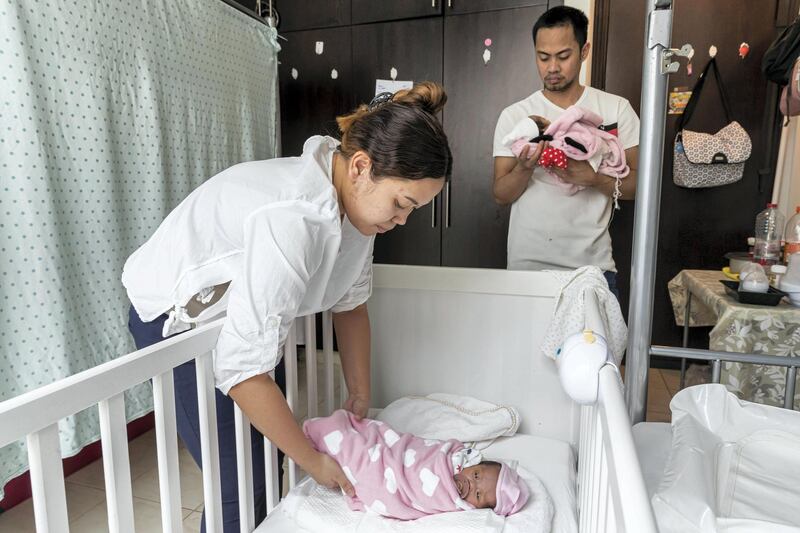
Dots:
pixel 391 86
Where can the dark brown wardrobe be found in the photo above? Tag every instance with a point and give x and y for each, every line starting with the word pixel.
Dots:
pixel 438 40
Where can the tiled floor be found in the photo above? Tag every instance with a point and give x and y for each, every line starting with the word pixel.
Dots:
pixel 662 385
pixel 86 502
pixel 86 491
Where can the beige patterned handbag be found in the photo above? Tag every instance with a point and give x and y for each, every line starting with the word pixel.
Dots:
pixel 709 160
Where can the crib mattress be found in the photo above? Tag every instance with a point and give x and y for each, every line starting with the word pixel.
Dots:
pixel 553 461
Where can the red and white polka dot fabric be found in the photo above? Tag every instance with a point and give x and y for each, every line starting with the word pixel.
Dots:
pixel 553 157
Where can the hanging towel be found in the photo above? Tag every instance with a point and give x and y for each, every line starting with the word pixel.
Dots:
pixel 569 315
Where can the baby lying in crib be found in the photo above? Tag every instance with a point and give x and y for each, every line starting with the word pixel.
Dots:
pixel 399 475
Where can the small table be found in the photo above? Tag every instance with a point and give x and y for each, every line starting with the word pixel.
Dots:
pixel 699 299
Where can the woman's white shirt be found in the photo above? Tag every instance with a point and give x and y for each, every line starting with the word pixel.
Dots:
pixel 273 229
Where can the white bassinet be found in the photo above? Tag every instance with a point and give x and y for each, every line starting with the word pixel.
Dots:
pixel 463 331
pixel 723 465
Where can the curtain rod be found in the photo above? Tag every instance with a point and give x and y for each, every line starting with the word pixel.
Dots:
pixel 248 12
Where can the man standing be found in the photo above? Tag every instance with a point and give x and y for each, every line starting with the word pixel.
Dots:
pixel 548 228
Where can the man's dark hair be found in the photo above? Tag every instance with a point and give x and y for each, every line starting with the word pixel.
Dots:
pixel 564 16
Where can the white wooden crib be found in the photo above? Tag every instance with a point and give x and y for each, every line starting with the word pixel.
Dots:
pixel 464 331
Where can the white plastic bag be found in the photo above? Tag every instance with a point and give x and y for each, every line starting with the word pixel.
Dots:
pixel 734 466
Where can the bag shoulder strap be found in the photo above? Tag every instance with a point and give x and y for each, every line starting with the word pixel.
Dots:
pixel 698 89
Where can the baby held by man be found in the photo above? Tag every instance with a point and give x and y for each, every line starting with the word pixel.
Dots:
pixel 399 475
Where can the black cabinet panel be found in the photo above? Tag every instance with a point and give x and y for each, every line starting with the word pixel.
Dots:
pixel 786 12
pixel 381 10
pixel 478 92
pixel 306 14
pixel 311 95
pixel 414 49
pixel 457 7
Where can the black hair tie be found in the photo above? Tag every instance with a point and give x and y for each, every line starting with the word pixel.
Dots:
pixel 380 99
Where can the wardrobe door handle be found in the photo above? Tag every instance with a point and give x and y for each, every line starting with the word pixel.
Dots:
pixel 447 205
pixel 433 3
pixel 449 3
pixel 433 213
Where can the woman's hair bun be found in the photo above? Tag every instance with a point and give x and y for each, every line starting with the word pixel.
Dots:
pixel 402 136
pixel 428 95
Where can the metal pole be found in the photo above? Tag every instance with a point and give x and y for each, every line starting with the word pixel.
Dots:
pixel 648 196
pixel 687 315
pixel 716 368
pixel 791 377
pixel 729 357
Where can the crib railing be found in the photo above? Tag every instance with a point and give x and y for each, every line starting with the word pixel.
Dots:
pixel 290 357
pixel 611 493
pixel 34 416
pixel 612 497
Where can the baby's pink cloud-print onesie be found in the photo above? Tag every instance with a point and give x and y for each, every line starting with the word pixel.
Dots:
pixel 397 475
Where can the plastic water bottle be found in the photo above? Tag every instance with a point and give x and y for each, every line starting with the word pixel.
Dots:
pixel 792 236
pixel 769 230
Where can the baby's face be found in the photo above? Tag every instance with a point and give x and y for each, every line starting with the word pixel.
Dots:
pixel 477 485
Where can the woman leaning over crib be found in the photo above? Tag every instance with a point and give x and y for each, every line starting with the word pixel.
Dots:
pixel 268 241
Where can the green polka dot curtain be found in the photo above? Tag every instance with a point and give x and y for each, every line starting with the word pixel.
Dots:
pixel 110 114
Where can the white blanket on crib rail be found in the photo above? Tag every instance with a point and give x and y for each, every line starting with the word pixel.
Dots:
pixel 734 466
pixel 315 508
pixel 569 314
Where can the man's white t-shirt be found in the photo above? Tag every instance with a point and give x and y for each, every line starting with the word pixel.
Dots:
pixel 548 229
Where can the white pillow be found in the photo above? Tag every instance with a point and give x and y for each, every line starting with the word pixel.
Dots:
pixel 448 416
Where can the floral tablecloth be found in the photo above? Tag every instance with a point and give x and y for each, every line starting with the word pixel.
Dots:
pixel 740 328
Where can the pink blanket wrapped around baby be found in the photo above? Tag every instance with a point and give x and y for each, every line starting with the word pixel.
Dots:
pixel 604 151
pixel 394 474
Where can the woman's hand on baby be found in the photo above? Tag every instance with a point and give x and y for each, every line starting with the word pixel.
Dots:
pixel 358 405
pixel 327 472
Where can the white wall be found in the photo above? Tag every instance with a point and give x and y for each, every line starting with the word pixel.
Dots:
pixel 786 190
pixel 580 4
